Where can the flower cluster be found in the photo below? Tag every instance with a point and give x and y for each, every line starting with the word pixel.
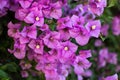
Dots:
pixel 112 77
pixel 107 57
pixel 116 25
pixel 50 38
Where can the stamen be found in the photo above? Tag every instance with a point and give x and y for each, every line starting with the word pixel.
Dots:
pixel 66 48
pixel 37 46
pixel 93 27
pixel 37 18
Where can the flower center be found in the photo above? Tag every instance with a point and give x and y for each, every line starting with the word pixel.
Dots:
pixel 93 27
pixel 26 65
pixel 37 18
pixel 51 38
pixel 80 63
pixel 66 48
pixel 37 46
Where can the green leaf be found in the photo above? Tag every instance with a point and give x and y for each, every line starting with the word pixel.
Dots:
pixel 3 74
pixel 5 79
pixel 11 67
pixel 112 3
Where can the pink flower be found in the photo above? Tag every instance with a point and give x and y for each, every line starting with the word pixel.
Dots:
pixel 52 39
pixel 64 25
pixel 29 31
pixel 24 74
pixel 64 22
pixel 81 35
pixel 37 46
pixel 19 50
pixel 80 64
pixel 67 49
pixel 13 30
pixel 112 58
pixel 20 14
pixel 113 77
pixel 35 17
pixel 98 43
pixel 94 8
pixel 77 21
pixel 25 3
pixel 53 10
pixel 107 57
pixel 25 65
pixel 116 25
pixel 94 28
pixel 103 58
pixel 85 53
pixel 104 29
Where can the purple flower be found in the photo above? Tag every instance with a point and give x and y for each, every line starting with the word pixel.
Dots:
pixel 100 3
pixel 77 21
pixel 78 10
pixel 13 30
pixel 25 65
pixel 87 73
pixel 67 49
pixel 20 14
pixel 93 7
pixel 30 54
pixel 64 23
pixel 80 77
pixel 103 58
pixel 37 46
pixel 51 75
pixel 52 39
pixel 85 53
pixel 45 27
pixel 112 58
pixel 116 25
pixel 56 11
pixel 29 31
pixel 64 34
pixel 81 35
pixel 107 57
pixel 113 77
pixel 4 5
pixel 24 74
pixel 14 5
pixel 24 39
pixel 80 64
pixel 35 17
pixel 104 29
pixel 62 71
pixel 53 10
pixel 25 3
pixel 19 50
pixel 94 28
pixel 89 16
pixel 46 62
pixel 98 43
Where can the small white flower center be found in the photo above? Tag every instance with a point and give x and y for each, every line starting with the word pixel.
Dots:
pixel 26 65
pixel 81 8
pixel 93 27
pixel 37 46
pixel 37 18
pixel 66 48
